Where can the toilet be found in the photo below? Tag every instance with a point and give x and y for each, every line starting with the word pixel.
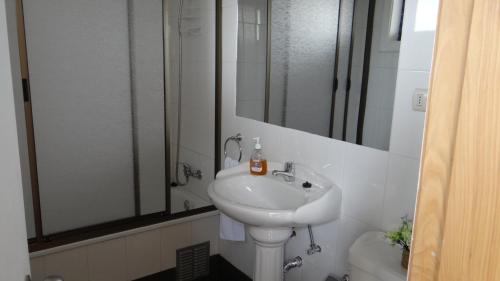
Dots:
pixel 372 258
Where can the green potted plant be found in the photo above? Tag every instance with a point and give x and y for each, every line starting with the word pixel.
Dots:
pixel 402 237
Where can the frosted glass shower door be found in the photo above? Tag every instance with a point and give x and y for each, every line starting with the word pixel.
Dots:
pixel 79 66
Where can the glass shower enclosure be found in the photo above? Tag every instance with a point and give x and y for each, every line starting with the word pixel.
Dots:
pixel 122 98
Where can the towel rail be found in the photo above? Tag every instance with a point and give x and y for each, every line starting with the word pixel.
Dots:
pixel 237 139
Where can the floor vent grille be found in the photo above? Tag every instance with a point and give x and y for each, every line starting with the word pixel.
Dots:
pixel 193 262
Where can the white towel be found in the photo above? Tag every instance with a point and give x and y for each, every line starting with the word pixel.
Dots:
pixel 231 229
pixel 230 163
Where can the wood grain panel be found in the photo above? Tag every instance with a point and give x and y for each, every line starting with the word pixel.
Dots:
pixel 471 247
pixel 440 131
pixel 21 39
pixel 457 232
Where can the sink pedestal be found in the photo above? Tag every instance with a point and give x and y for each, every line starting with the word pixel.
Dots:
pixel 270 207
pixel 270 246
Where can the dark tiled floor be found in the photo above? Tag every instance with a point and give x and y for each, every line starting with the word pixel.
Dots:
pixel 220 270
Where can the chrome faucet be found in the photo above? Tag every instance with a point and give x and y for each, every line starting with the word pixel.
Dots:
pixel 189 171
pixel 288 172
pixel 292 263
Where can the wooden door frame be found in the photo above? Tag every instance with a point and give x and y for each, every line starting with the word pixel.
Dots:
pixel 447 198
pixel 439 137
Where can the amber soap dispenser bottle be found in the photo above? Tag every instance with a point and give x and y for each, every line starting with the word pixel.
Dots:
pixel 258 164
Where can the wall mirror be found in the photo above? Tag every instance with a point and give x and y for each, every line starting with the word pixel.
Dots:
pixel 324 67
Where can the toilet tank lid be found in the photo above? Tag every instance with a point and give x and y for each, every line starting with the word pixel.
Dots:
pixel 373 254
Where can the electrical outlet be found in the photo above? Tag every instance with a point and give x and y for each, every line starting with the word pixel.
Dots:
pixel 420 100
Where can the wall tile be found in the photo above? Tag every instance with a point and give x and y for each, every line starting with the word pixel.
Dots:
pixel 269 138
pixel 173 238
pixel 294 274
pixel 296 246
pixel 108 261
pixel 143 254
pixel 382 86
pixel 350 230
pixel 201 162
pixel 229 3
pixel 239 254
pixel 229 90
pixel 207 167
pixel 417 44
pixel 72 265
pixel 320 265
pixel 251 48
pixel 189 156
pixel 197 134
pixel 399 198
pixel 408 125
pixel 363 183
pixel 206 229
pixel 251 81
pixel 253 109
pixel 322 154
pixel 126 258
pixel 197 129
pixel 377 129
pixel 37 269
pixel 198 77
pixel 230 27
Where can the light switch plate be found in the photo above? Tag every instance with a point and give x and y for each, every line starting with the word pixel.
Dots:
pixel 419 102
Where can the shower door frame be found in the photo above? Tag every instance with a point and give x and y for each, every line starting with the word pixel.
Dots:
pixel 43 242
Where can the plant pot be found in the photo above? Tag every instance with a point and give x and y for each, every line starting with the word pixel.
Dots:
pixel 405 258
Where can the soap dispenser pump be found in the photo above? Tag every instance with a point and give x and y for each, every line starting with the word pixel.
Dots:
pixel 258 164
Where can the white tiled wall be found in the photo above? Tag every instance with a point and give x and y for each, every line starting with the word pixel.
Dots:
pixel 378 186
pixel 198 89
pixel 130 256
pixel 382 78
pixel 252 38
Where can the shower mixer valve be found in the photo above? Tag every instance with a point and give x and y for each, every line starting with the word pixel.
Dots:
pixel 190 172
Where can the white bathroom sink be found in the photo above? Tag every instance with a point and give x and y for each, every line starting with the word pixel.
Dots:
pixel 270 201
pixel 271 207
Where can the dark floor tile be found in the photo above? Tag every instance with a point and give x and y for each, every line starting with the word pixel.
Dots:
pixel 220 270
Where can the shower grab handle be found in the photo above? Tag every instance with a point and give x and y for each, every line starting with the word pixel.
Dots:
pixel 237 138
